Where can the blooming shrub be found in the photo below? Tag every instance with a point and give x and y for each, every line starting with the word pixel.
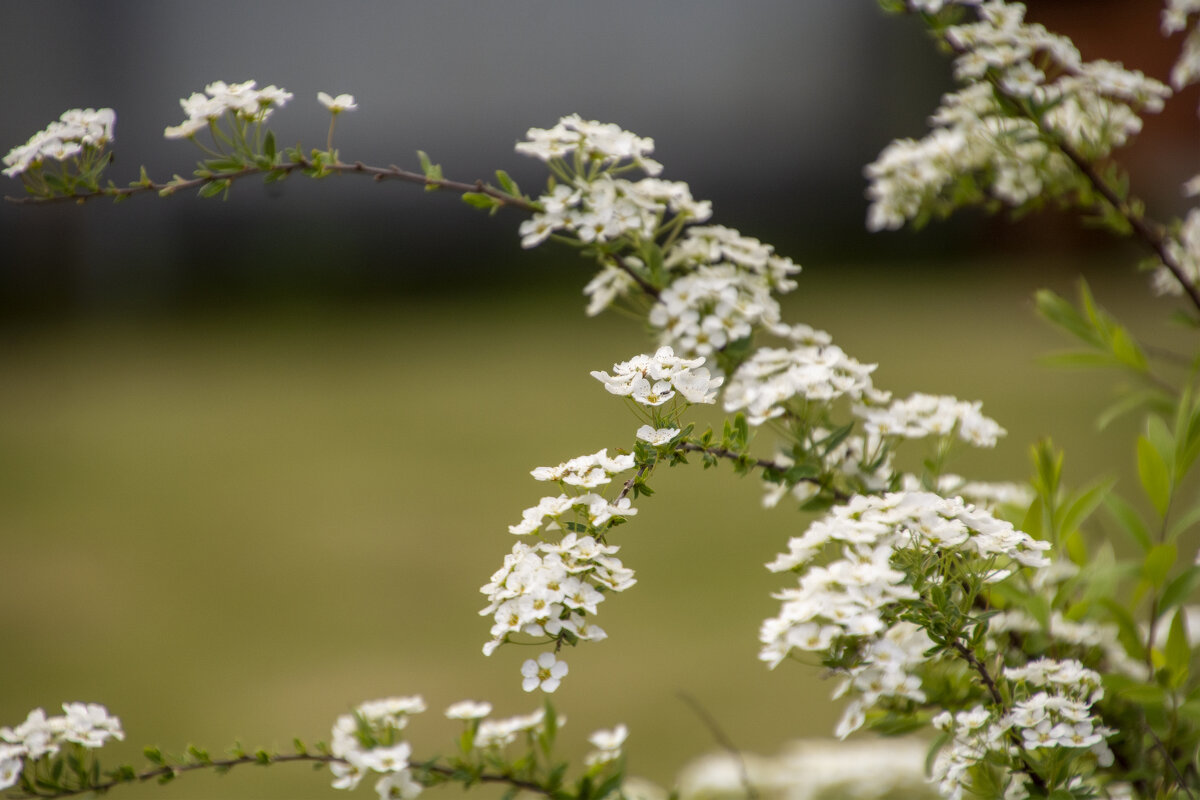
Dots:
pixel 967 610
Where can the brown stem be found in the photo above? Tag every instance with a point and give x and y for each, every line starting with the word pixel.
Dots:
pixel 279 758
pixel 762 463
pixel 390 172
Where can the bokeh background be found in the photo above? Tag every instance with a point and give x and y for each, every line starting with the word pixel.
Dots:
pixel 257 456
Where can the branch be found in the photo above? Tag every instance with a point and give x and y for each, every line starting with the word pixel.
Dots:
pixel 762 463
pixel 391 172
pixel 1151 233
pixel 279 758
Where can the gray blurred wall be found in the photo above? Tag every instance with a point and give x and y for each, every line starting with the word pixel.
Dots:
pixel 770 108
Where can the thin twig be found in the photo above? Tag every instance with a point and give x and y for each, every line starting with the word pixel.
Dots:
pixel 279 758
pixel 390 172
pixel 724 741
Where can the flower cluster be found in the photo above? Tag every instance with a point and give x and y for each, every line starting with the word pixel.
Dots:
pixel 1174 19
pixel 595 509
pixel 849 607
pixel 493 734
pixel 586 471
pixel 1184 250
pixel 606 208
pixel 1092 107
pixel 368 740
pixel 766 383
pixel 924 415
pixel 987 494
pixel 591 143
pixel 241 100
pixel 670 374
pixel 86 724
pixel 77 132
pixel 816 769
pixel 551 588
pixel 1057 715
pixel 723 290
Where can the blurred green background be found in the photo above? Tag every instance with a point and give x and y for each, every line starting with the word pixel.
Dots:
pixel 257 457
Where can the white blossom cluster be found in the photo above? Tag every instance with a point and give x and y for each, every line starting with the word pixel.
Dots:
pixel 499 733
pixel 1184 250
pixel 1174 19
pixel 1091 106
pixel 86 724
pixel 862 769
pixel 586 471
pixel 549 588
pixel 705 310
pixel 851 600
pixel 724 289
pixel 771 378
pixel 1055 706
pixel 75 130
pixel 669 373
pixel 1083 635
pixel 592 507
pixel 886 670
pixel 592 143
pixel 1052 708
pixel 242 100
pixel 987 494
pixel 606 208
pixel 922 415
pixel 367 740
pixel 722 281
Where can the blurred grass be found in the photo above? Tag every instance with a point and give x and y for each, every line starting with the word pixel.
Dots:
pixel 237 526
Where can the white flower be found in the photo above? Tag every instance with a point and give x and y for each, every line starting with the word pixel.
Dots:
pixel 10 771
pixel 546 673
pixel 90 724
pixel 657 437
pixel 398 786
pixel 343 102
pixel 387 759
pixel 468 709
pixel 607 744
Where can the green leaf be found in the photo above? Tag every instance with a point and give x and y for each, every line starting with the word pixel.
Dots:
pixel 1130 402
pixel 1071 514
pixel 1128 632
pixel 1076 548
pixel 1160 436
pixel 431 171
pixel 1154 475
pixel 1180 589
pixel 480 200
pixel 269 146
pixel 1058 311
pixel 1178 652
pixel 1158 563
pixel 1184 522
pixel 507 183
pixel 1129 520
pixel 214 188
pixel 1126 350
